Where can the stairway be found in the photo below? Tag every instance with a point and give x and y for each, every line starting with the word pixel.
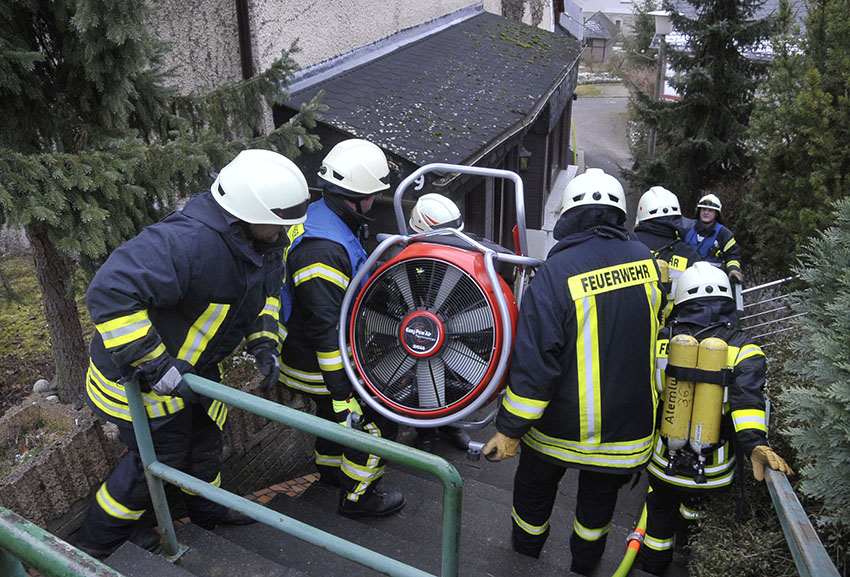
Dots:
pixel 412 536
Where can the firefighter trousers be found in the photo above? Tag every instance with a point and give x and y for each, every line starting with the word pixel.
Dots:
pixel 187 440
pixel 535 488
pixel 352 470
pixel 670 514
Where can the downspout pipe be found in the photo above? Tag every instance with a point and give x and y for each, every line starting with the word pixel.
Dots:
pixel 243 25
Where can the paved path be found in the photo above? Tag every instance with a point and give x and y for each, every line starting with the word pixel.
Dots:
pixel 601 133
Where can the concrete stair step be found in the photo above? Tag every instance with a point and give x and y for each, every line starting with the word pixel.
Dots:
pixel 210 555
pixel 132 561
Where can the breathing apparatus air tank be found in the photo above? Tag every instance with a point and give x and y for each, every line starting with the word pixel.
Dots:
pixel 708 403
pixel 678 397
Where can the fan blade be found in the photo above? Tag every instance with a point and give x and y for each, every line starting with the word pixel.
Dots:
pixel 399 275
pixel 395 363
pixel 431 381
pixel 449 281
pixel 378 322
pixel 463 361
pixel 471 321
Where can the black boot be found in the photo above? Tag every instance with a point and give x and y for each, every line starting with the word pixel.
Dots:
pixel 144 537
pixel 227 517
pixel 375 503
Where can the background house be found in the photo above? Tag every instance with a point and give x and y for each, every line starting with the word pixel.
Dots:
pixel 449 81
pixel 600 34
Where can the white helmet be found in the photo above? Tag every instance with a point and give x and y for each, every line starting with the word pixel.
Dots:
pixel 357 166
pixel 702 280
pixel 262 187
pixel 434 210
pixel 593 187
pixel 710 201
pixel 657 202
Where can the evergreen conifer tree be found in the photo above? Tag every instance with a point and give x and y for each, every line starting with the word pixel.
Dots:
pixel 95 144
pixel 800 131
pixel 701 138
pixel 818 403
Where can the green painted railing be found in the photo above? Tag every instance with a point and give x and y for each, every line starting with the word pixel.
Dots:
pixel 22 540
pixel 156 472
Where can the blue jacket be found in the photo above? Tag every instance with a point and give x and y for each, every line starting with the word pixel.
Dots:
pixel 718 246
pixel 191 286
pixel 324 256
pixel 581 384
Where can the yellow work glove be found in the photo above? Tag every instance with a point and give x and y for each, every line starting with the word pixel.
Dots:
pixel 345 411
pixel 735 276
pixel 500 447
pixel 763 455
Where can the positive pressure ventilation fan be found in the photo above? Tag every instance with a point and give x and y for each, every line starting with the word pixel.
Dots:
pixel 426 332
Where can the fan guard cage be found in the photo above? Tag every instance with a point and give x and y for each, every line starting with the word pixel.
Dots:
pixel 425 330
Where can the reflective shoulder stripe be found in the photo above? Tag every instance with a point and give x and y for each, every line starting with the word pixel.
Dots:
pixel 528 527
pixel 322 271
pixel 523 407
pixel 748 351
pixel 115 509
pixel 202 331
pixel 729 244
pixel 749 419
pixel 590 534
pixel 122 330
pixel 330 361
pixel 612 278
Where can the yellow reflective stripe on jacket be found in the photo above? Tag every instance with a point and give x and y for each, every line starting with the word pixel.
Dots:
pixel 747 352
pixel 528 527
pixel 115 509
pixel 159 350
pixel 616 455
pixel 122 330
pixel 749 419
pixel 202 331
pixel 587 367
pixel 322 271
pixel 330 361
pixel 612 278
pixel 688 513
pixel 711 482
pixel 523 407
pixel 729 244
pixel 260 335
pixel 281 332
pixel 271 308
pixel 111 398
pixel 590 534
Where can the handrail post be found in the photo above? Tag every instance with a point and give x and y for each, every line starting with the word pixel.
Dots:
pixel 142 430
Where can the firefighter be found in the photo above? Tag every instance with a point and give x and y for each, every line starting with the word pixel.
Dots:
pixel 704 313
pixel 580 390
pixel 176 299
pixel 660 226
pixel 324 255
pixel 714 242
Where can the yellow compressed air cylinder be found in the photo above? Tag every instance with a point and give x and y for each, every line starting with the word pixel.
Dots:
pixel 708 397
pixel 678 394
pixel 663 269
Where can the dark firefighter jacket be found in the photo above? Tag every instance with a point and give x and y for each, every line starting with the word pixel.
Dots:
pixel 663 236
pixel 191 286
pixel 718 245
pixel 743 401
pixel 581 386
pixel 323 258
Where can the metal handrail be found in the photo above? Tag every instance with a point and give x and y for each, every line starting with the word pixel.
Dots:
pixel 23 540
pixel 156 472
